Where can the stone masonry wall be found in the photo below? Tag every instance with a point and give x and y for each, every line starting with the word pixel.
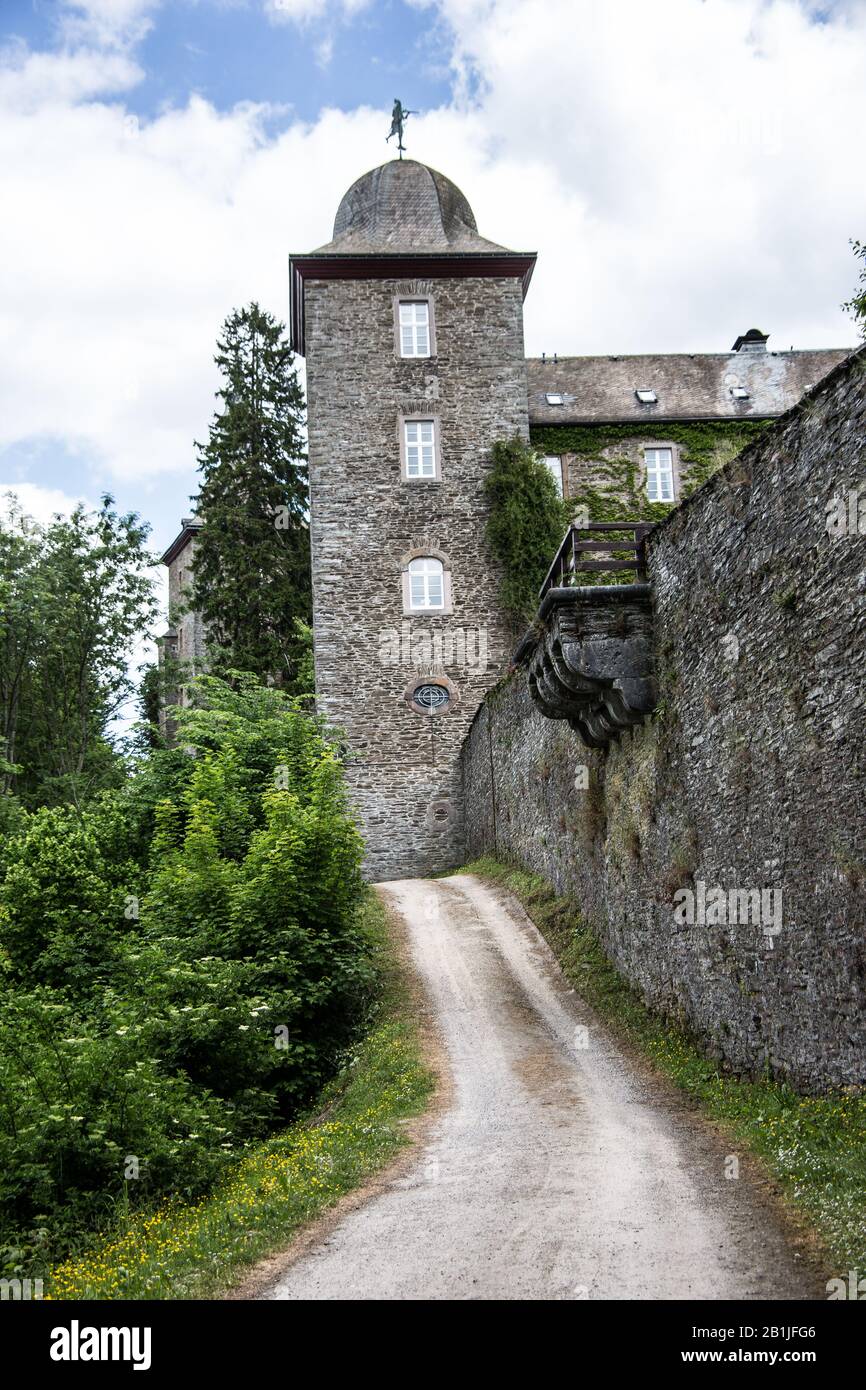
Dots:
pixel 183 644
pixel 405 777
pixel 186 621
pixel 749 776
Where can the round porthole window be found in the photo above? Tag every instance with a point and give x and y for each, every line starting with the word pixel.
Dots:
pixel 431 694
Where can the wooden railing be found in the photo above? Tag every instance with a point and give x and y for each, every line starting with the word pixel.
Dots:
pixel 622 542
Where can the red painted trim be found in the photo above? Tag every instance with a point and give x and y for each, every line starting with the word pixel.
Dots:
pixel 415 265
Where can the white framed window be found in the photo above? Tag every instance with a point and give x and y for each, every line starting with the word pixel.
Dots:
pixel 414 316
pixel 426 583
pixel 659 474
pixel 553 464
pixel 420 448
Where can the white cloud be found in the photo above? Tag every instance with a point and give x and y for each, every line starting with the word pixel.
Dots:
pixel 30 82
pixel 685 171
pixel 294 11
pixel 302 11
pixel 106 22
pixel 325 51
pixel 40 503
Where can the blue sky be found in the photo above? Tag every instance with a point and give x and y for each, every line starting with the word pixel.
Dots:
pixel 685 171
pixel 231 53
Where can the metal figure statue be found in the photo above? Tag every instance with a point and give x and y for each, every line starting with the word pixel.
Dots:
pixel 398 117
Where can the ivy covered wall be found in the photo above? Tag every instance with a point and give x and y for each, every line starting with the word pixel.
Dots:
pixel 603 466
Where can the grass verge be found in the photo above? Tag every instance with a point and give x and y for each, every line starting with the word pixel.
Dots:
pixel 814 1146
pixel 183 1251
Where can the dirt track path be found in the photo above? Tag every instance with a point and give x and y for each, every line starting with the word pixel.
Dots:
pixel 560 1170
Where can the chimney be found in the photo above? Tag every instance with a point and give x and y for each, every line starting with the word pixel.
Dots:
pixel 753 341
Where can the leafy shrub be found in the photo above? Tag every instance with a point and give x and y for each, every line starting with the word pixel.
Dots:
pixel 202 1020
pixel 528 520
pixel 79 1106
pixel 64 896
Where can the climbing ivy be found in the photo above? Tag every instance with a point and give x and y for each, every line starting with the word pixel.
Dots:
pixel 613 491
pixel 527 521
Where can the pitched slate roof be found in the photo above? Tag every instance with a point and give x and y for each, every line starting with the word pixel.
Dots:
pixel 689 386
pixel 189 528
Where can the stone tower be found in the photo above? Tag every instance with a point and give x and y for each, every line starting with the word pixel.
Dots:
pixel 412 328
pixel 181 649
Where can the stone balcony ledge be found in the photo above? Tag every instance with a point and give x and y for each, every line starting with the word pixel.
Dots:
pixel 589 656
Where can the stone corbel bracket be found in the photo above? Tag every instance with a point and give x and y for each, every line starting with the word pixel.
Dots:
pixel 590 659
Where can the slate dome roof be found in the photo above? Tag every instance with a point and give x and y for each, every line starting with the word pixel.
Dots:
pixel 405 206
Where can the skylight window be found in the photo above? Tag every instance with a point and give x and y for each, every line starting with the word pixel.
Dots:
pixel 646 396
pixel 739 393
pixel 555 398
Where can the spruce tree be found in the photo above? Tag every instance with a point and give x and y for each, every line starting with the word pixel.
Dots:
pixel 252 559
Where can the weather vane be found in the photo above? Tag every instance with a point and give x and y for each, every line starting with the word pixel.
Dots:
pixel 398 116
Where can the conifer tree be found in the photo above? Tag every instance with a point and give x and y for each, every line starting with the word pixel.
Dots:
pixel 252 560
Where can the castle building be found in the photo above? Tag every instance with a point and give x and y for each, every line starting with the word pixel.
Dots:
pixel 630 436
pixel 181 648
pixel 411 324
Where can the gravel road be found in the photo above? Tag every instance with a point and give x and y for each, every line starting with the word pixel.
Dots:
pixel 559 1168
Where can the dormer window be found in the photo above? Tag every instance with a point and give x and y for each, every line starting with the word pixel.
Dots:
pixel 414 328
pixel 646 395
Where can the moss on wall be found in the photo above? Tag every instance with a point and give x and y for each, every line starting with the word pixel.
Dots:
pixel 630 788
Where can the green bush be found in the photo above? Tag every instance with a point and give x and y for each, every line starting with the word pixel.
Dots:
pixel 182 962
pixel 64 896
pixel 79 1106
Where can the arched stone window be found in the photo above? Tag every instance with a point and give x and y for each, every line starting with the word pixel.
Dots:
pixel 426 583
pixel 426 575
